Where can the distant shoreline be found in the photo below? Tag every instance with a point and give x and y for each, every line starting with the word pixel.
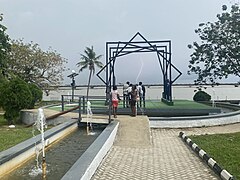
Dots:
pixel 154 91
pixel 183 84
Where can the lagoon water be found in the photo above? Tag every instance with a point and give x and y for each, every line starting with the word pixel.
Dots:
pixel 186 92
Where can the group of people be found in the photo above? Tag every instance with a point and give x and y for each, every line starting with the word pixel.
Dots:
pixel 132 95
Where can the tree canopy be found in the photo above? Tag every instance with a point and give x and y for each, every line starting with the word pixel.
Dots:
pixel 29 70
pixel 4 46
pixel 217 55
pixel 33 65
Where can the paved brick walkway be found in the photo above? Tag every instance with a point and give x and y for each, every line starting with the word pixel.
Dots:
pixel 166 158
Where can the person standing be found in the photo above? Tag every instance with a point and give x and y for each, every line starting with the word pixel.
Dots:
pixel 125 94
pixel 129 94
pixel 115 99
pixel 142 94
pixel 133 98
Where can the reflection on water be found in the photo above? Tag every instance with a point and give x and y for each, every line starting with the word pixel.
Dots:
pixel 59 157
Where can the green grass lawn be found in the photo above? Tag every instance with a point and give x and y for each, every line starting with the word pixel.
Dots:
pixel 150 104
pixel 178 104
pixel 9 137
pixel 224 149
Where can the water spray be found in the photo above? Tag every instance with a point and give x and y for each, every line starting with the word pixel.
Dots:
pixel 89 119
pixel 41 125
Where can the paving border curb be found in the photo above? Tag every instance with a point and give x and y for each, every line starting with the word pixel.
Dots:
pixel 222 173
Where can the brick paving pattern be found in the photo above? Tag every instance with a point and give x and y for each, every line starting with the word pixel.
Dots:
pixel 167 158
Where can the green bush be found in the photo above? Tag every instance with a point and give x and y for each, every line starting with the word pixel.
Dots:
pixel 14 96
pixel 201 96
pixel 37 94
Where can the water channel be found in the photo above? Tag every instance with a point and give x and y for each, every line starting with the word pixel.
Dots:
pixel 59 157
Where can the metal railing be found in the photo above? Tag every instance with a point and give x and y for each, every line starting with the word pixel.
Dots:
pixel 98 104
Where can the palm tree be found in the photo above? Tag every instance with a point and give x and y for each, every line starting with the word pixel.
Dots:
pixel 89 60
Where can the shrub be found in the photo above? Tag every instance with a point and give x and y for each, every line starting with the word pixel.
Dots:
pixel 201 96
pixel 37 95
pixel 14 96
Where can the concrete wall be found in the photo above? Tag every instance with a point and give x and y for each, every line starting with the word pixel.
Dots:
pixel 199 121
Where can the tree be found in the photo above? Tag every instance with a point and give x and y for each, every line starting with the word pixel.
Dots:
pixel 89 60
pixel 218 54
pixel 4 47
pixel 33 65
pixel 14 96
pixel 37 94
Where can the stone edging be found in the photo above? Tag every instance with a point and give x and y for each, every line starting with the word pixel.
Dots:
pixel 222 173
pixel 195 121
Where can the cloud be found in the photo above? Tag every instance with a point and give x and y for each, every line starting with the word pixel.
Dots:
pixel 70 25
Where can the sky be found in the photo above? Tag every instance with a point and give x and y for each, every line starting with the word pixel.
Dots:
pixel 69 26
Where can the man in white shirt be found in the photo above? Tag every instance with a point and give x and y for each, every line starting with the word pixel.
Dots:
pixel 125 95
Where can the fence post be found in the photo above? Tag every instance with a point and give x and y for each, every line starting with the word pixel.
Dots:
pixel 62 102
pixel 84 104
pixel 79 113
pixel 109 107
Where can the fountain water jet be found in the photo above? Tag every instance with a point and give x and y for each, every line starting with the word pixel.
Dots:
pixel 40 124
pixel 89 119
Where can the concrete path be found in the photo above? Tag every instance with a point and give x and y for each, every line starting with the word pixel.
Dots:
pixel 163 156
pixel 133 132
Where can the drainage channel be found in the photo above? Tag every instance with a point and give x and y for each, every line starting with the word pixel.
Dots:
pixel 59 157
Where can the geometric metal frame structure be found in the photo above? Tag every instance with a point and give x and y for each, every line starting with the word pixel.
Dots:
pixel 163 53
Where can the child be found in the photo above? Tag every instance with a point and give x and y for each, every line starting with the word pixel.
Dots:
pixel 133 100
pixel 115 99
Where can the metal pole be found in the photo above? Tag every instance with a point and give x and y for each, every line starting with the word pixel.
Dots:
pixel 83 104
pixel 73 82
pixel 62 102
pixel 170 72
pixel 110 107
pixel 72 89
pixel 79 113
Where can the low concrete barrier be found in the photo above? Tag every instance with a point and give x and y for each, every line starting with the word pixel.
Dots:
pixel 28 116
pixel 195 121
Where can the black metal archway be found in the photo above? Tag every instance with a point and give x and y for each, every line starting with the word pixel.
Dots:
pixel 163 53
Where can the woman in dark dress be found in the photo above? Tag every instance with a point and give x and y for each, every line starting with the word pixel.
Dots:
pixel 133 99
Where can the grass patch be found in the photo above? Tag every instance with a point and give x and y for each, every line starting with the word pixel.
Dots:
pixel 46 103
pixel 223 148
pixel 11 137
pixel 59 108
pixel 178 104
pixel 149 104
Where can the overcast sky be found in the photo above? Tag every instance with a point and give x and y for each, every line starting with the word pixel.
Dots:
pixel 68 26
